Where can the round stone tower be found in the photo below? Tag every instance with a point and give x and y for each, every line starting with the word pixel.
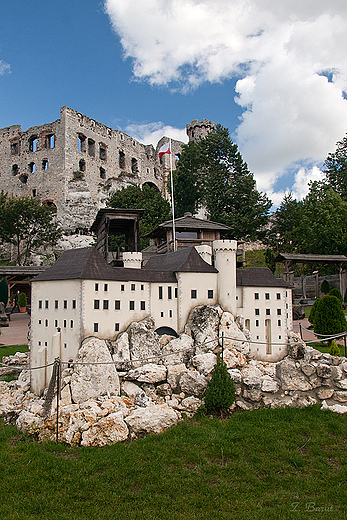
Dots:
pixel 197 130
pixel 225 263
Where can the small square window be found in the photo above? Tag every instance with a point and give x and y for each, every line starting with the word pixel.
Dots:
pixel 46 323
pixel 40 304
pixel 65 324
pixel 278 296
pixel 65 304
pixel 169 293
pixel 193 294
pixel 210 294
pixel 176 292
pixel 74 304
pixel 143 306
pixel 46 304
pixel 46 343
pixel 280 337
pixel 96 327
pixel 96 287
pixel 39 343
pixel 162 314
pixel 133 287
pixel 267 296
pixel 257 312
pixel 256 296
pixel 267 312
pixel 257 323
pixel 142 287
pixel 65 345
pixel 56 323
pixel 131 305
pixel 122 288
pixel 105 305
pixel 40 322
pixel 170 313
pixel 117 305
pixel 116 327
pixel 105 286
pixel 279 323
pixel 71 324
pixel 96 304
pixel 56 304
pixel 279 312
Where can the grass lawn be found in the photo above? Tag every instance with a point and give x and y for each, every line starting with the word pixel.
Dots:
pixel 271 464
pixel 9 351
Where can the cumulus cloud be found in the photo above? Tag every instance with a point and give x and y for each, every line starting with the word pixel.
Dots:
pixel 290 57
pixel 151 133
pixel 4 68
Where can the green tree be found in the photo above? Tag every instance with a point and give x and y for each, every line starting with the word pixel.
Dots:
pixel 325 287
pixel 283 234
pixel 328 318
pixel 336 292
pixel 220 391
pixel 220 180
pixel 28 225
pixel 157 209
pixel 186 183
pixel 335 168
pixel 270 259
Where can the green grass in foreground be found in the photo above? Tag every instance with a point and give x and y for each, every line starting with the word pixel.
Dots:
pixel 271 464
pixel 9 351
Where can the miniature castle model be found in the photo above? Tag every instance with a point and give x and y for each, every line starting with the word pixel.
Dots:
pixel 75 164
pixel 81 296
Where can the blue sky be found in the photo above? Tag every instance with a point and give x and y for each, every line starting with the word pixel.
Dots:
pixel 273 72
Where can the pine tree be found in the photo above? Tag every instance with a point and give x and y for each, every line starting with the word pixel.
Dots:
pixel 220 392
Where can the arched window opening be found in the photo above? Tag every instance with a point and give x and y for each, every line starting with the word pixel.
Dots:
pixel 15 169
pixel 122 160
pixel 23 178
pixel 82 165
pixel 33 143
pixel 102 173
pixel 32 167
pixel 134 166
pixel 81 143
pixel 50 141
pixel 45 164
pixel 102 152
pixel 91 147
pixel 50 204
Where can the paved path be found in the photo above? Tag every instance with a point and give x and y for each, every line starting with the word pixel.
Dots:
pixel 16 333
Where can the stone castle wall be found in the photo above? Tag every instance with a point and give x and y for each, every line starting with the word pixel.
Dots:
pixel 76 163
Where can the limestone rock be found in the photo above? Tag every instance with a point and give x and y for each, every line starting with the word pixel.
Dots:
pixel 143 342
pixel 130 389
pixel 308 368
pixel 149 373
pixel 91 381
pixel 235 375
pixel 252 394
pixel 153 419
pixel 178 350
pixel 325 393
pixel 29 422
pixel 164 389
pixel 233 358
pixel 338 408
pixel 342 384
pixel 203 326
pixel 290 377
pixel 234 338
pixel 324 371
pixel 190 404
pixel 193 383
pixel 269 385
pixel 142 399
pixel 173 374
pixel 121 350
pixel 250 370
pixel 204 363
pixel 252 382
pixel 107 430
pixel 340 396
pixel 65 396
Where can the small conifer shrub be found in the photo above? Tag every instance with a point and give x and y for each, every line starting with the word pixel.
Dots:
pixel 220 391
pixel 336 292
pixel 334 349
pixel 325 287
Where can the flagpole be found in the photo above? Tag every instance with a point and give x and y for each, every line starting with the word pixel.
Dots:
pixel 172 199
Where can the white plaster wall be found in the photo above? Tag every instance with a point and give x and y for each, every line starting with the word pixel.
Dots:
pixel 225 263
pixel 160 308
pixel 202 283
pixel 107 318
pixel 247 305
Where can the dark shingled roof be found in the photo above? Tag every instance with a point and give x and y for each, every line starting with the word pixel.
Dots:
pixel 259 277
pixel 183 260
pixel 189 222
pixel 311 258
pixel 88 264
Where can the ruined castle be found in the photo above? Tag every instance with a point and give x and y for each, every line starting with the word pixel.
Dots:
pixel 76 163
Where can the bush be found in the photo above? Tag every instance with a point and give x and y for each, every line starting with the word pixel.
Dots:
pixel 325 287
pixel 220 391
pixel 345 297
pixel 336 292
pixel 22 300
pixel 328 317
pixel 313 311
pixel 334 349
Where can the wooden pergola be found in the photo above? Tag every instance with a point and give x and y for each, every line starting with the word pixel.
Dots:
pixel 19 275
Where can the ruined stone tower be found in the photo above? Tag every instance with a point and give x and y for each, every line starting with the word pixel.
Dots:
pixel 197 130
pixel 76 163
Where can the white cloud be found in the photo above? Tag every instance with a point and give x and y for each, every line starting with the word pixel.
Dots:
pixel 151 133
pixel 4 68
pixel 279 50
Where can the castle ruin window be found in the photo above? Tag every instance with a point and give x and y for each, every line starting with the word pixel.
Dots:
pixel 23 178
pixel 81 143
pixel 34 193
pixel 32 167
pixel 82 165
pixel 15 169
pixel 50 141
pixel 102 152
pixel 134 166
pixel 15 148
pixel 45 164
pixel 122 160
pixel 33 143
pixel 91 148
pixel 50 204
pixel 102 173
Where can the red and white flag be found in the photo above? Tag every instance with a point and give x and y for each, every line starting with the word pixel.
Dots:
pixel 164 149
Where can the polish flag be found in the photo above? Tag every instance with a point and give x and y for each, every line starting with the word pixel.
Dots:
pixel 164 149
